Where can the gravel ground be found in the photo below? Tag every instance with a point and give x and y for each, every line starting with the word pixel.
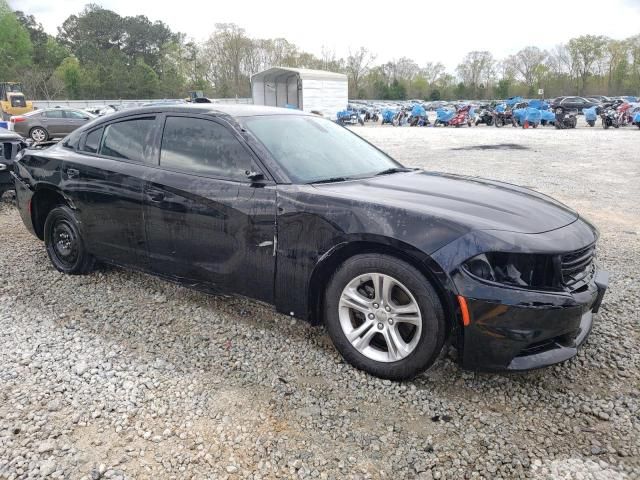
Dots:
pixel 121 375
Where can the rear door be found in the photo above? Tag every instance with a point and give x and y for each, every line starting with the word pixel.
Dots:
pixel 54 121
pixel 105 180
pixel 206 222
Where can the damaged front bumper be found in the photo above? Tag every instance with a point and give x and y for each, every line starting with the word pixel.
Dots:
pixel 509 328
pixel 538 330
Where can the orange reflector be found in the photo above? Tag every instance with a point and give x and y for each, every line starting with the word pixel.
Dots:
pixel 464 310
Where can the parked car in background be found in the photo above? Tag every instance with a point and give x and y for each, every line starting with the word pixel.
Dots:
pixel 573 103
pixel 294 210
pixel 598 98
pixel 10 144
pixel 100 110
pixel 42 125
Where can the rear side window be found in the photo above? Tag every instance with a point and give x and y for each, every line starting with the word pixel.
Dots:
pixel 199 146
pixel 92 142
pixel 54 114
pixel 128 139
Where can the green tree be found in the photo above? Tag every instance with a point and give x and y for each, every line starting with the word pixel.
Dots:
pixel 70 73
pixel 144 82
pixel 502 89
pixel 15 44
pixel 585 52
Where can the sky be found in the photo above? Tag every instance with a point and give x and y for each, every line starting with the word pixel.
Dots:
pixel 424 30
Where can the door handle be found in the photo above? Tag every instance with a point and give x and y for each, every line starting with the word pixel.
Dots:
pixel 155 195
pixel 72 173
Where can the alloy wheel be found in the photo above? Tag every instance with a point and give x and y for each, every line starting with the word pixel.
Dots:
pixel 38 135
pixel 380 317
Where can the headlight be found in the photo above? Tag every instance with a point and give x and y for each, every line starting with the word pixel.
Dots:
pixel 516 269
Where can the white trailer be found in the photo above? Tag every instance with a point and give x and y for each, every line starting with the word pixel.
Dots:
pixel 309 90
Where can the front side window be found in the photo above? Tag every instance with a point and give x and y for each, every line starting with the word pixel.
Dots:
pixel 92 142
pixel 199 146
pixel 128 139
pixel 312 149
pixel 75 114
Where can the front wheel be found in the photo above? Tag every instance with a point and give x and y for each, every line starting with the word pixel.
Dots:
pixel 64 242
pixel 384 316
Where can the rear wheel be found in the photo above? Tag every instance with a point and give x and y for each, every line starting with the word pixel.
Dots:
pixel 39 134
pixel 64 242
pixel 384 317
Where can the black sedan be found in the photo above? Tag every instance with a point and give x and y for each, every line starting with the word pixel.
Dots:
pixel 10 144
pixel 573 103
pixel 294 210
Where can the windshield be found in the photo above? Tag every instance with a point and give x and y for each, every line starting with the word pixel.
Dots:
pixel 311 149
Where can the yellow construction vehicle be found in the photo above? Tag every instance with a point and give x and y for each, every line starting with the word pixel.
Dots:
pixel 12 100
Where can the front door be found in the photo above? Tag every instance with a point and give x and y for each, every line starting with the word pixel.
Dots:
pixel 206 222
pixel 73 120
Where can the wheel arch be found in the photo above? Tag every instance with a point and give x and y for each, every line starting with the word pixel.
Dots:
pixel 45 199
pixel 331 261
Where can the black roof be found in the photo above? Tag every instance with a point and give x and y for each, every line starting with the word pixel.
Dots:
pixel 232 110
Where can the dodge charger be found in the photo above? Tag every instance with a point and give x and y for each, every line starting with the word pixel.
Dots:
pixel 294 210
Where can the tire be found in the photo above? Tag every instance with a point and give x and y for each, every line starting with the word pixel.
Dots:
pixel 489 122
pixel 39 134
pixel 64 243
pixel 499 122
pixel 423 337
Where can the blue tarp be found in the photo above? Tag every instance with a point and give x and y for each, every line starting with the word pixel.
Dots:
pixel 530 115
pixel 346 114
pixel 547 115
pixel 590 114
pixel 501 107
pixel 444 115
pixel 387 115
pixel 513 100
pixel 539 104
pixel 418 111
pixel 636 118
pixel 631 99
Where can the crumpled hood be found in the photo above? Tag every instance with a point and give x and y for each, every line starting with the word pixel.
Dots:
pixel 475 203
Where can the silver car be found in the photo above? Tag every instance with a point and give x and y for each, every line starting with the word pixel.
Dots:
pixel 42 125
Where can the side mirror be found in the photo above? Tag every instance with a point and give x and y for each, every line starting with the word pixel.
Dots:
pixel 254 176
